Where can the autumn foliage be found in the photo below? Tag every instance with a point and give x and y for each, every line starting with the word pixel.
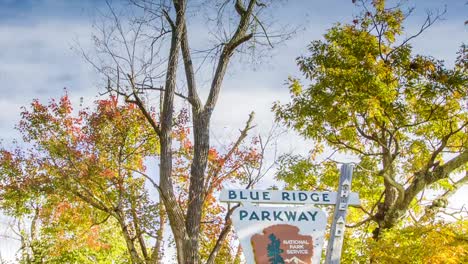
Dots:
pixel 80 178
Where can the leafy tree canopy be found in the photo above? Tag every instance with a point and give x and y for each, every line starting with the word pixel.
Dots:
pixel 73 173
pixel 404 116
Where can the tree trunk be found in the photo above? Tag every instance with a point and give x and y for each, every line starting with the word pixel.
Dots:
pixel 197 182
pixel 157 255
pixel 176 218
pixel 134 257
pixel 174 212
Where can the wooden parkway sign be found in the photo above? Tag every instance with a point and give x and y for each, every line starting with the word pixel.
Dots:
pixel 290 234
pixel 280 234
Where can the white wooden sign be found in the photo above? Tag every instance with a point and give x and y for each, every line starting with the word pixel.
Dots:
pixel 285 197
pixel 280 234
pixel 291 234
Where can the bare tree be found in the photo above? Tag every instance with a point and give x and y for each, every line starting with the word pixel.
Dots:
pixel 141 62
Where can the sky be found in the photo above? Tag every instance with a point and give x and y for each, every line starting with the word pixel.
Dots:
pixel 38 58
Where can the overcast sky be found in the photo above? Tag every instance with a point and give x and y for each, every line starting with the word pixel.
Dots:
pixel 36 59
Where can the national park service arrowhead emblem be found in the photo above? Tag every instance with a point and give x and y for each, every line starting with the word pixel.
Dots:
pixel 282 244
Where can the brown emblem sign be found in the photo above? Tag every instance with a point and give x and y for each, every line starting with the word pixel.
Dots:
pixel 282 244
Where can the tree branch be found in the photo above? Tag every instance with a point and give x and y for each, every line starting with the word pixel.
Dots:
pixel 222 236
pixel 150 87
pixel 442 201
pixel 421 179
pixel 194 99
pixel 237 39
pixel 444 170
pixel 142 107
pixel 427 23
pixel 242 136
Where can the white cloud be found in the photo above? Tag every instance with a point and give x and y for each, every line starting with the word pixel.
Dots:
pixel 37 62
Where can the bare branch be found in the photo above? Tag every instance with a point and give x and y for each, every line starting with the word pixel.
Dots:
pixel 360 223
pixel 142 107
pixel 150 87
pixel 442 201
pixel 430 20
pixel 222 236
pixel 239 37
pixel 189 73
pixel 242 136
pixel 263 29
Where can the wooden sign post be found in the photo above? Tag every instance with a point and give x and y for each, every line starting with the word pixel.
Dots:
pixel 335 243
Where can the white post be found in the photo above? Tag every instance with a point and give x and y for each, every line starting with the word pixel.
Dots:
pixel 335 243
